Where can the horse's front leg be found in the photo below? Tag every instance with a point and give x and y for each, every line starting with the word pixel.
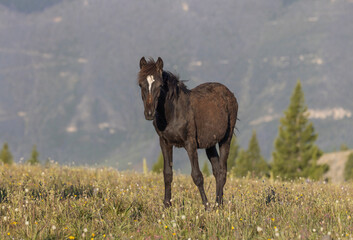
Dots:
pixel 195 171
pixel 167 151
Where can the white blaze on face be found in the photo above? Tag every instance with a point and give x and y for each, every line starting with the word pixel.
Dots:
pixel 150 80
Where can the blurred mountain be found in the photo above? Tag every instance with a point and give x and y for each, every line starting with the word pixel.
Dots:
pixel 68 70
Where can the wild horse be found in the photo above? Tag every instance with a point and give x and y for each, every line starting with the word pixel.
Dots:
pixel 192 119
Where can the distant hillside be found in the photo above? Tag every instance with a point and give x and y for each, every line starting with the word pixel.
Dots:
pixel 68 70
pixel 336 161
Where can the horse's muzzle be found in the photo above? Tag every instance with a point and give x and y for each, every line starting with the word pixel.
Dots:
pixel 149 115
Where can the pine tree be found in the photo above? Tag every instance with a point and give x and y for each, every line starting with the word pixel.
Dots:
pixel 34 156
pixel 242 165
pixel 348 168
pixel 205 169
pixel 259 166
pixel 158 166
pixel 233 153
pixel 295 143
pixel 315 171
pixel 5 155
pixel 250 161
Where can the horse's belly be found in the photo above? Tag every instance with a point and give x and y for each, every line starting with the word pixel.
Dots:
pixel 209 135
pixel 211 126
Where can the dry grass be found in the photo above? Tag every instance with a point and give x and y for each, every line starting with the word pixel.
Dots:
pixel 85 203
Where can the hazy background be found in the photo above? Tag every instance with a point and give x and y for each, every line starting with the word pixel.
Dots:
pixel 68 71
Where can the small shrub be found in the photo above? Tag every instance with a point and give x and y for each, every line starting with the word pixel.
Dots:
pixel 348 168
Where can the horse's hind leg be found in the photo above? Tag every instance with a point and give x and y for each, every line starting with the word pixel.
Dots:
pixel 214 159
pixel 224 152
pixel 195 171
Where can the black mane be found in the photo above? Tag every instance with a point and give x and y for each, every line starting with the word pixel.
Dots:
pixel 173 86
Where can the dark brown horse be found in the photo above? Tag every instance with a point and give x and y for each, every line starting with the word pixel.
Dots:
pixel 192 119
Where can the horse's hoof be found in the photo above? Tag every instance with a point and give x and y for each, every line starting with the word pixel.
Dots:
pixel 207 207
pixel 218 204
pixel 167 204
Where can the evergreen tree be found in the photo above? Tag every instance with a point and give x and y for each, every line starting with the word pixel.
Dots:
pixel 5 155
pixel 259 166
pixel 158 166
pixel 205 169
pixel 295 143
pixel 242 165
pixel 34 156
pixel 251 160
pixel 233 153
pixel 315 171
pixel 348 168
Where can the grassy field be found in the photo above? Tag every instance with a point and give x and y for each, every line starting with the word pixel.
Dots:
pixel 85 203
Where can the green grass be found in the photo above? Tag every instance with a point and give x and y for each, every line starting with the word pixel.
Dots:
pixel 84 203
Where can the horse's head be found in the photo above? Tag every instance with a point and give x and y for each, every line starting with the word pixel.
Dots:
pixel 150 81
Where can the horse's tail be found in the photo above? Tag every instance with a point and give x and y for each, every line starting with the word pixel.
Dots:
pixel 232 108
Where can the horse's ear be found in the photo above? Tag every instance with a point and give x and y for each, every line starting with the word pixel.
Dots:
pixel 159 64
pixel 142 62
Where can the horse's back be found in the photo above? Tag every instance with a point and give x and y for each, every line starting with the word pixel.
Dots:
pixel 215 110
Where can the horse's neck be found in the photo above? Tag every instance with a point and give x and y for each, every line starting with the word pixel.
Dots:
pixel 172 107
